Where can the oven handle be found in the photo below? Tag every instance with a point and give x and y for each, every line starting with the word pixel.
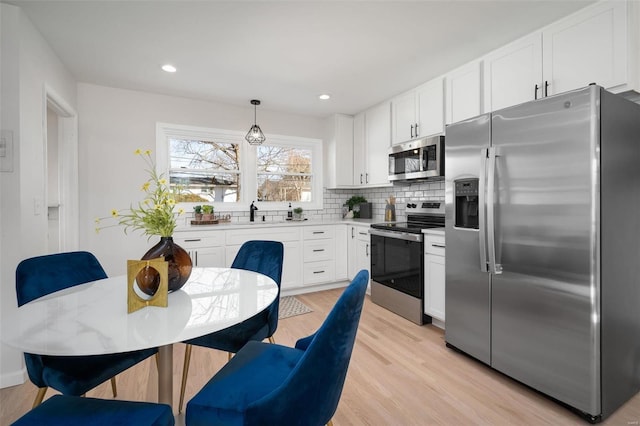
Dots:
pixel 407 236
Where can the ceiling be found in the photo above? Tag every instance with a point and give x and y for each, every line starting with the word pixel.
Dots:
pixel 284 53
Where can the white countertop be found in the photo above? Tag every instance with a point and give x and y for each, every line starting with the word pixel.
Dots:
pixel 274 224
pixel 434 231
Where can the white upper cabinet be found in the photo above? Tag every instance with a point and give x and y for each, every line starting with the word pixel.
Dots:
pixel 513 74
pixel 359 165
pixel 464 92
pixel 403 112
pixel 419 112
pixel 587 47
pixel 378 137
pixel 338 152
pixel 590 46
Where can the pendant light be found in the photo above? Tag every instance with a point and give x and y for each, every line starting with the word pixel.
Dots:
pixel 255 135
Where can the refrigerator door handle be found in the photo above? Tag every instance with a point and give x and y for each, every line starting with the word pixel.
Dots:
pixel 482 228
pixel 491 212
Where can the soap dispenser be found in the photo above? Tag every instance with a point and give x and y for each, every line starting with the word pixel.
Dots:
pixel 290 213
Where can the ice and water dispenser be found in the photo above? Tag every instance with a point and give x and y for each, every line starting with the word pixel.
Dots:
pixel 466 196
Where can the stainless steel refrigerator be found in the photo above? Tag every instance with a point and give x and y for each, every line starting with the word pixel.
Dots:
pixel 543 253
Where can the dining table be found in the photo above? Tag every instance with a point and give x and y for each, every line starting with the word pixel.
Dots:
pixel 92 318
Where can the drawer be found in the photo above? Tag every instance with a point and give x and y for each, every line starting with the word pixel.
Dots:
pixel 318 232
pixel 260 233
pixel 197 241
pixel 434 244
pixel 318 272
pixel 316 250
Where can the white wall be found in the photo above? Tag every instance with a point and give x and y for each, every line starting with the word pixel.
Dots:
pixel 114 123
pixel 28 65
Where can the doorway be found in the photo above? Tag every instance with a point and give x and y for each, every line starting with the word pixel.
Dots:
pixel 61 174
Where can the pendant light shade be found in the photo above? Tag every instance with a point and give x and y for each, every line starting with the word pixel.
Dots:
pixel 255 135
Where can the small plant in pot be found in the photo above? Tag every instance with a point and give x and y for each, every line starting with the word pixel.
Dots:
pixel 354 201
pixel 197 212
pixel 297 213
pixel 207 212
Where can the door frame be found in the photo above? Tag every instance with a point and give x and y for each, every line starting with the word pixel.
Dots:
pixel 67 166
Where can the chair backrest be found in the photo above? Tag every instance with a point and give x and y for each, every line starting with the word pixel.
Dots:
pixel 264 257
pixel 39 276
pixel 317 380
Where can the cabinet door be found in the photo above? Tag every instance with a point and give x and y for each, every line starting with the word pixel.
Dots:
pixel 434 286
pixel 213 257
pixel 292 267
pixel 464 92
pixel 339 152
pixel 513 74
pixel 342 252
pixel 403 110
pixel 430 108
pixel 362 256
pixel 378 137
pixel 352 240
pixel 588 47
pixel 359 152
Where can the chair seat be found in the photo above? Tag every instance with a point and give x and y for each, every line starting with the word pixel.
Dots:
pixel 225 398
pixel 73 410
pixel 76 378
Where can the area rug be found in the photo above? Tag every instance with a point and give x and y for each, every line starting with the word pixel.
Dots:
pixel 290 307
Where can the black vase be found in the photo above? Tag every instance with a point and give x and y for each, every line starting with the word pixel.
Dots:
pixel 180 265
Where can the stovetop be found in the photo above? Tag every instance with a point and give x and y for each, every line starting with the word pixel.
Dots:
pixel 420 215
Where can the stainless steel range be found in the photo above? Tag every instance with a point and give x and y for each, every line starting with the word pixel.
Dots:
pixel 397 260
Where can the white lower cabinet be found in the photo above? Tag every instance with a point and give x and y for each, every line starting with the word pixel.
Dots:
pixel 318 255
pixel 205 251
pixel 434 276
pixel 359 246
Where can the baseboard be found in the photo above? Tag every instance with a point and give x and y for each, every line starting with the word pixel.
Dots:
pixel 313 288
pixel 13 378
pixel 437 323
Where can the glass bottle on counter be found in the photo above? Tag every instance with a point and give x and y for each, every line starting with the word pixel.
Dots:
pixel 290 213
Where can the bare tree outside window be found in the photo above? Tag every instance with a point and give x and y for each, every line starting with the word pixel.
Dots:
pixel 284 173
pixel 205 171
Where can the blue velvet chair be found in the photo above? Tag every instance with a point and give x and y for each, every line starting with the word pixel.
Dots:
pixel 265 257
pixel 66 410
pixel 277 385
pixel 70 375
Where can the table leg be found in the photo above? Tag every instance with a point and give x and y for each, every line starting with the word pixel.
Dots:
pixel 165 374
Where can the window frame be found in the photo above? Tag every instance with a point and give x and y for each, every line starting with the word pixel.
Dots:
pixel 248 164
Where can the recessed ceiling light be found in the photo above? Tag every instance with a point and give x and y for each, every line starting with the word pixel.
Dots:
pixel 324 97
pixel 169 68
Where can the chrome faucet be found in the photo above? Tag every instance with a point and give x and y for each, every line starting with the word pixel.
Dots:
pixel 252 210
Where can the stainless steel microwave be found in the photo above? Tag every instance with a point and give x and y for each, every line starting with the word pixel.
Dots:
pixel 417 159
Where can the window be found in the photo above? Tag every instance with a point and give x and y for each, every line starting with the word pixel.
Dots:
pixel 219 167
pixel 205 171
pixel 284 173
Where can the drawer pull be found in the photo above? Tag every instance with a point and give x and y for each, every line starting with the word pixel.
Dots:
pixel 363 233
pixel 318 272
pixel 318 232
pixel 317 250
pixel 193 240
pixel 438 245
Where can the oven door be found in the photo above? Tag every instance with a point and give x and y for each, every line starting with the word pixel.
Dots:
pixel 397 261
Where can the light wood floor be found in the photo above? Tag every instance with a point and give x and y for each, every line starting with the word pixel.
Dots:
pixel 400 374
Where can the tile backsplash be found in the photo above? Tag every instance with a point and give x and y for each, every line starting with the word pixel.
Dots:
pixel 335 198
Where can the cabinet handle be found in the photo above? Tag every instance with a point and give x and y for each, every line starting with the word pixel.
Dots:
pixel 438 245
pixel 360 178
pixel 412 131
pixel 546 88
pixel 366 178
pixel 417 130
pixel 318 272
pixel 318 232
pixel 535 92
pixel 193 240
pixel 352 230
pixel 317 250
pixel 367 251
pixel 363 233
pixel 196 258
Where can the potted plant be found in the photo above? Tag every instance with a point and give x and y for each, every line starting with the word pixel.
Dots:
pixel 297 213
pixel 197 212
pixel 354 201
pixel 207 212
